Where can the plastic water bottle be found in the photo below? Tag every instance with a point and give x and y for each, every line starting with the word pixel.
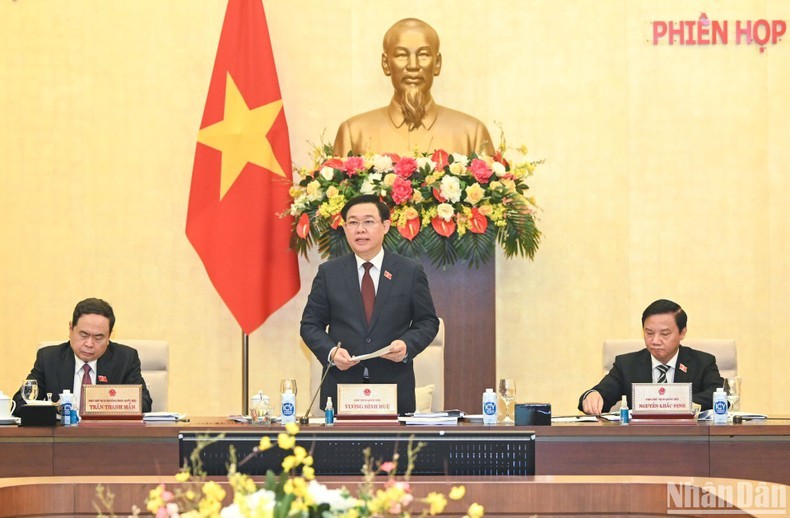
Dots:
pixel 489 407
pixel 66 403
pixel 625 416
pixel 720 406
pixel 329 413
pixel 288 407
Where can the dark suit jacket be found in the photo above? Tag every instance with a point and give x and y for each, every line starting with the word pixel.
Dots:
pixel 54 371
pixel 701 371
pixel 403 310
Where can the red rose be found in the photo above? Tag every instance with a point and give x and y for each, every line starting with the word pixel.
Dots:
pixel 405 167
pixel 303 226
pixel 480 171
pixel 478 223
pixel 410 229
pixel 353 165
pixel 442 227
pixel 440 157
pixel 401 190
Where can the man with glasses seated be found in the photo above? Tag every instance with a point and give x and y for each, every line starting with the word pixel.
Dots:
pixel 89 357
pixel 365 301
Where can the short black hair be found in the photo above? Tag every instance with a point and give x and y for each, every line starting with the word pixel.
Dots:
pixel 384 210
pixel 93 306
pixel 662 306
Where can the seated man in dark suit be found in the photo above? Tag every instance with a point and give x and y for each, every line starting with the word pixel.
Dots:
pixel 63 366
pixel 664 360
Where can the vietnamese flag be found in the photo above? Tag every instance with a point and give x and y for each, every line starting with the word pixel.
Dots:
pixel 242 174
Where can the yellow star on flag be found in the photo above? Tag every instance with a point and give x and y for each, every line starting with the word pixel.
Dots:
pixel 241 136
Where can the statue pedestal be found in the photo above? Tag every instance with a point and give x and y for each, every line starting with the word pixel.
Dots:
pixel 466 299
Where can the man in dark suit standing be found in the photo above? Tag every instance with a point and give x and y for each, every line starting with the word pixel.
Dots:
pixel 664 360
pixel 362 302
pixel 88 357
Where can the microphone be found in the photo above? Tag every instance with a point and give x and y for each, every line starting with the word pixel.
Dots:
pixel 305 419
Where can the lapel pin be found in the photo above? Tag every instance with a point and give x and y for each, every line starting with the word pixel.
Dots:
pixel 682 367
pixel 103 379
pixel 388 275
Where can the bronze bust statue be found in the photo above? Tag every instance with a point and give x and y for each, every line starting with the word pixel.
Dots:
pixel 413 120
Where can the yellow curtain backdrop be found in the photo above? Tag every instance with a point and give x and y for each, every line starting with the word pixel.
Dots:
pixel 664 176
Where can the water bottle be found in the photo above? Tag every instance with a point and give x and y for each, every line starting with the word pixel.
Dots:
pixel 489 407
pixel 329 413
pixel 720 406
pixel 66 404
pixel 288 407
pixel 625 416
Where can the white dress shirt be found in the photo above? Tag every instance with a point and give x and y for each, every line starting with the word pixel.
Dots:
pixel 671 364
pixel 78 372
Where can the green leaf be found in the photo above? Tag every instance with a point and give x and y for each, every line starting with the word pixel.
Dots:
pixel 332 243
pixel 477 249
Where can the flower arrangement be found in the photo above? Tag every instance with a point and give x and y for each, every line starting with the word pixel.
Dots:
pixel 447 206
pixel 295 492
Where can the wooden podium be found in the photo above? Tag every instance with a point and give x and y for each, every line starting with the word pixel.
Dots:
pixel 466 299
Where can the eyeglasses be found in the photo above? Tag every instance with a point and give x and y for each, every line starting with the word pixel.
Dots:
pixel 366 224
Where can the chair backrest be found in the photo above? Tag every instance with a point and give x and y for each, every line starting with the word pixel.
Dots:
pixel 723 349
pixel 428 370
pixel 154 359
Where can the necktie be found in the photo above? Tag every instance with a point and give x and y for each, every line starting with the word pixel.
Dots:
pixel 368 291
pixel 86 374
pixel 662 373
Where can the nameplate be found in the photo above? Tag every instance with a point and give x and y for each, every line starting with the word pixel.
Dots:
pixel 369 399
pixel 111 402
pixel 661 400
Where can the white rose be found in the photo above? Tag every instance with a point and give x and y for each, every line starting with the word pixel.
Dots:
pixel 327 173
pixel 382 163
pixel 366 187
pixel 451 188
pixel 460 159
pixel 422 161
pixel 498 169
pixel 445 211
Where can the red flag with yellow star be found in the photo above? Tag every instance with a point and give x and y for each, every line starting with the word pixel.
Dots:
pixel 242 174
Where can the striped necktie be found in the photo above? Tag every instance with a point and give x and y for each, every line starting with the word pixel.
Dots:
pixel 662 373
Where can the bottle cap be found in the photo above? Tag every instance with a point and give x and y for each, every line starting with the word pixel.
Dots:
pixel 720 389
pixel 489 390
pixel 287 391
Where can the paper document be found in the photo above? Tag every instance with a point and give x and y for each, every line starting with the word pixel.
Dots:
pixel 575 419
pixel 707 415
pixel 162 416
pixel 381 352
pixel 428 420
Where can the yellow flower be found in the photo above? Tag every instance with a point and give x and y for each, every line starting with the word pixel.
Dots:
pixel 389 179
pixel 475 511
pixel 486 209
pixel 416 197
pixel 410 213
pixel 292 428
pixel 297 486
pixel 457 168
pixel 313 187
pixel 308 472
pixel 285 441
pixel 474 193
pixel 242 484
pixel 308 461
pixel 437 503
pixel 332 191
pixel 182 476
pixel 300 453
pixel 154 500
pixel 457 493
pixel 289 463
pixel 265 443
pixel 213 490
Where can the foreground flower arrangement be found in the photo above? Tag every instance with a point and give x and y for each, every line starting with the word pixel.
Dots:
pixel 447 206
pixel 295 492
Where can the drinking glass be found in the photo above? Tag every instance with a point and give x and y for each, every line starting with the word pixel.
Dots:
pixel 286 384
pixel 507 391
pixel 30 390
pixel 732 386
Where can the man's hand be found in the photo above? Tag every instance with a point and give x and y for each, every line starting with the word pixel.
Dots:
pixel 397 352
pixel 593 403
pixel 342 359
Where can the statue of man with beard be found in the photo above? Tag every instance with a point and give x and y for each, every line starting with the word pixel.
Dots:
pixel 412 121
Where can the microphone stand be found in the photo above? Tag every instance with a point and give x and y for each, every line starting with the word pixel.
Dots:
pixel 305 419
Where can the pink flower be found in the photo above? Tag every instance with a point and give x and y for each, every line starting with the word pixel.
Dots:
pixel 405 167
pixel 480 171
pixel 388 466
pixel 401 190
pixel 353 165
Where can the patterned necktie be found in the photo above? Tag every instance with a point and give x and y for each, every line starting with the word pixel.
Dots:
pixel 368 291
pixel 662 373
pixel 86 374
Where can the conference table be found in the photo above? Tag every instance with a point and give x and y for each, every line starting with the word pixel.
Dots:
pixel 758 450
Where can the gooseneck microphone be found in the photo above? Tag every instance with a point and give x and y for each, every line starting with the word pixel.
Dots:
pixel 305 419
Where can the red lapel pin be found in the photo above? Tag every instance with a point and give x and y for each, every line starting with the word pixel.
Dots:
pixel 682 367
pixel 388 275
pixel 103 379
